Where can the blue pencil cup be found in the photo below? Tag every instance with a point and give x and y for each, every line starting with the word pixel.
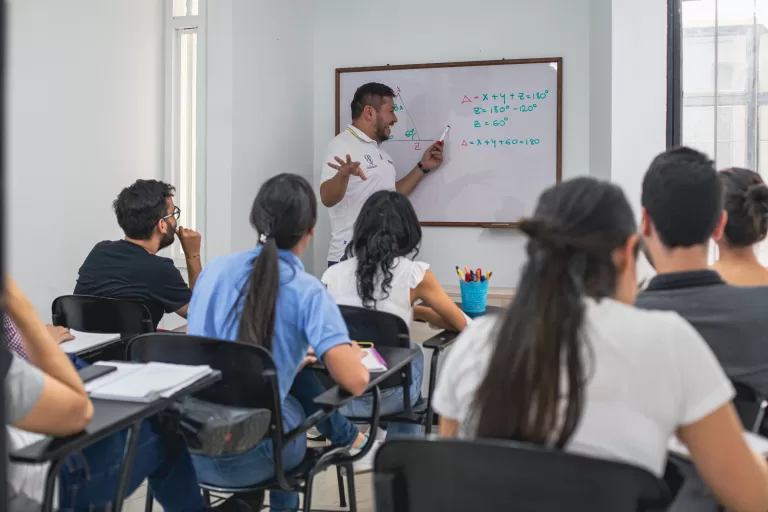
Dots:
pixel 474 296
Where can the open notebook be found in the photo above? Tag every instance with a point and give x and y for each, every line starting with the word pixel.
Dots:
pixel 757 444
pixel 136 382
pixel 86 341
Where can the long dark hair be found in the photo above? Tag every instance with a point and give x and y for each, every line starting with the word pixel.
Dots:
pixel 386 228
pixel 538 354
pixel 285 209
pixel 746 201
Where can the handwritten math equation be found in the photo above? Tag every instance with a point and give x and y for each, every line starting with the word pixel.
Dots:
pixel 490 110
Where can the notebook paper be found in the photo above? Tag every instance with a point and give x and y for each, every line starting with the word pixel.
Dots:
pixel 86 341
pixel 373 361
pixel 145 382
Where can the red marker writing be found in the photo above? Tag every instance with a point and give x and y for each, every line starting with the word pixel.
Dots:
pixel 442 137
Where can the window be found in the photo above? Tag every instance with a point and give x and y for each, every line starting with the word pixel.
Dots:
pixel 184 125
pixel 724 82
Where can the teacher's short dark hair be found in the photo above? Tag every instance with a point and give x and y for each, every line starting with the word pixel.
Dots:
pixel 372 94
pixel 683 196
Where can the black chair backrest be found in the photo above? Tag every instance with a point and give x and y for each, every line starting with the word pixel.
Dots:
pixel 495 475
pixel 750 406
pixel 248 373
pixel 380 328
pixel 101 315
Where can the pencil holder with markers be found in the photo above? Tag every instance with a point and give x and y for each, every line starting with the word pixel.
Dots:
pixel 474 297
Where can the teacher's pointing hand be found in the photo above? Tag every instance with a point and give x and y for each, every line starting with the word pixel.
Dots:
pixel 348 167
pixel 433 157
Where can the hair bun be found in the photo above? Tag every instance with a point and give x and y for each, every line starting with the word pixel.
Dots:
pixel 757 193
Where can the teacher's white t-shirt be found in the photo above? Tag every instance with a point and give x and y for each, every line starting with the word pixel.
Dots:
pixel 649 373
pixel 380 174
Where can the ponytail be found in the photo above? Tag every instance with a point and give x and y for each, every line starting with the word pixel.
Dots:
pixel 539 338
pixel 283 213
pixel 534 388
pixel 261 296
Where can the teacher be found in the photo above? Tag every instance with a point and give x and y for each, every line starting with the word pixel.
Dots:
pixel 361 167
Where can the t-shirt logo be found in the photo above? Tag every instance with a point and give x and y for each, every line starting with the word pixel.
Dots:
pixel 369 159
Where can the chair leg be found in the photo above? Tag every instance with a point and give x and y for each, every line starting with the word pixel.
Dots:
pixel 342 494
pixel 351 486
pixel 308 492
pixel 149 502
pixel 207 497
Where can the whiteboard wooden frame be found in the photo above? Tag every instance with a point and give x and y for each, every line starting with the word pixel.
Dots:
pixel 502 62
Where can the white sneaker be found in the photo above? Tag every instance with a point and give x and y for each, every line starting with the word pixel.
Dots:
pixel 365 465
pixel 381 434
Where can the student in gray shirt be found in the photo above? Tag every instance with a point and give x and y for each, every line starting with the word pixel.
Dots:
pixel 682 209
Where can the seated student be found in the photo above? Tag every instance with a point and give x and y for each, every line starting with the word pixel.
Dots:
pixel 46 396
pixel 130 268
pixel 574 366
pixel 13 340
pixel 746 203
pixel 264 297
pixel 682 208
pixel 378 274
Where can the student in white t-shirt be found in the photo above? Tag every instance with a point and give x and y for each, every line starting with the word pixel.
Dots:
pixel 573 365
pixel 379 274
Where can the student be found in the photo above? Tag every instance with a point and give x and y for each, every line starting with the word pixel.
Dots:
pixel 379 274
pixel 682 209
pixel 130 269
pixel 573 365
pixel 46 396
pixel 746 203
pixel 264 297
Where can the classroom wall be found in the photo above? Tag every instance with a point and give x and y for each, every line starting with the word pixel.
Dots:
pixel 85 118
pixel 406 31
pixel 260 112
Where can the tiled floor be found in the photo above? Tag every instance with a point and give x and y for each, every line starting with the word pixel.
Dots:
pixel 326 495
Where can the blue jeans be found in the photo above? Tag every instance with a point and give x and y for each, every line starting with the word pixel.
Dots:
pixel 258 465
pixel 90 479
pixel 392 402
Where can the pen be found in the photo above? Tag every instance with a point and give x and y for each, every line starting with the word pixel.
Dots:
pixel 458 271
pixel 442 137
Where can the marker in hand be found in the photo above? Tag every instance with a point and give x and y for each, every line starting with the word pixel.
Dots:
pixel 442 137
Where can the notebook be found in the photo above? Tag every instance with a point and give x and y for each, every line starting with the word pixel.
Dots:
pixel 756 443
pixel 86 341
pixel 373 361
pixel 136 382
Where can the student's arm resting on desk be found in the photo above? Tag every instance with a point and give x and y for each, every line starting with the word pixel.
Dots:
pixel 710 427
pixel 60 406
pixel 327 333
pixel 443 312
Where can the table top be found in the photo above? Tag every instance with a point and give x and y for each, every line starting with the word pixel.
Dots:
pixel 109 417
pixel 395 357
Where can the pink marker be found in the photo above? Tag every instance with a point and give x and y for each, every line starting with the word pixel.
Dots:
pixel 442 137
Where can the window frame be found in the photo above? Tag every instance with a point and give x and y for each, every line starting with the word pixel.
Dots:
pixel 174 26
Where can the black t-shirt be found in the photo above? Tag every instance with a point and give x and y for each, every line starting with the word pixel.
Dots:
pixel 123 270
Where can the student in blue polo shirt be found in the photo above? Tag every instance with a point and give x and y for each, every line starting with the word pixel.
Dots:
pixel 263 296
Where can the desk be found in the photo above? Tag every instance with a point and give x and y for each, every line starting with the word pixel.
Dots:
pixel 396 359
pixel 109 417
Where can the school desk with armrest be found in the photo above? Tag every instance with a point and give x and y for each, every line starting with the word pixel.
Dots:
pixel 109 417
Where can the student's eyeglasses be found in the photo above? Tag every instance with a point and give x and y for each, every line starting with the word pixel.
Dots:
pixel 176 214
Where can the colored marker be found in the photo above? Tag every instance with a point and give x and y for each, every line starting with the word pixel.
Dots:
pixel 466 269
pixel 458 271
pixel 489 276
pixel 442 137
pixel 479 273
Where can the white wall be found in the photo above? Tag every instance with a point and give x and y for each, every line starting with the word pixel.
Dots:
pixel 639 90
pixel 407 31
pixel 84 120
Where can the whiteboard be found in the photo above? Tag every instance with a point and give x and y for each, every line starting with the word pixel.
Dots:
pixel 504 145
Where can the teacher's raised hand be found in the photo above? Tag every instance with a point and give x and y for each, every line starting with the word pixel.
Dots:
pixel 433 156
pixel 348 167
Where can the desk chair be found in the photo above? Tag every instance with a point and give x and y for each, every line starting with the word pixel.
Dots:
pixel 102 315
pixel 750 405
pixel 497 475
pixel 249 380
pixel 386 329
